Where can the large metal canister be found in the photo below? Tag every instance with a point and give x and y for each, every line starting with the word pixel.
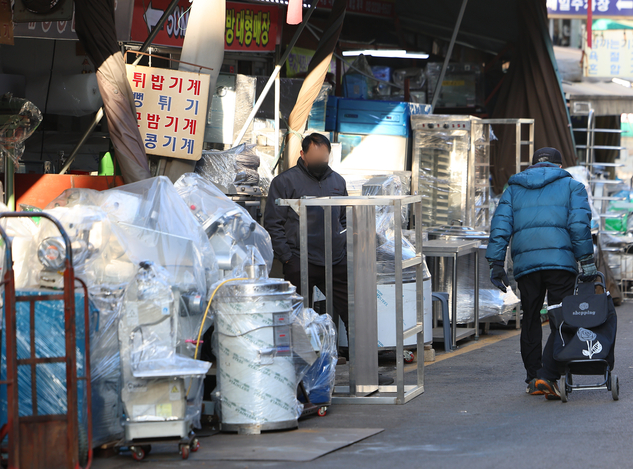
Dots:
pixel 256 371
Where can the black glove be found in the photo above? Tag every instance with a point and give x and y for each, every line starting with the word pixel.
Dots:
pixel 588 270
pixel 498 275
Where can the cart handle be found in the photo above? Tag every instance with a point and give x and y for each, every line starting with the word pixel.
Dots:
pixel 599 274
pixel 52 219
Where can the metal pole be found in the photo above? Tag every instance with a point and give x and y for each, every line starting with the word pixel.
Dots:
pixel 276 71
pixel 477 293
pixel 83 139
pixel 329 291
pixel 99 115
pixel 454 302
pixel 438 88
pixel 419 291
pixel 397 212
pixel 303 259
pixel 517 142
pixel 9 181
pixel 351 320
pixel 277 129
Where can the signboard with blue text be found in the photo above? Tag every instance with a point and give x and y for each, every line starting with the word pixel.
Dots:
pixel 599 8
pixel 611 54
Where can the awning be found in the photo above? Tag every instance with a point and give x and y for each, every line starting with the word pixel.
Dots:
pixel 606 98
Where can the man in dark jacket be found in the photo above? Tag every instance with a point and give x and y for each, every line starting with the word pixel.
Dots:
pixel 547 215
pixel 311 177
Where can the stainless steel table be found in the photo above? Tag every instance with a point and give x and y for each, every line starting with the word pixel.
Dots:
pixel 362 299
pixel 453 250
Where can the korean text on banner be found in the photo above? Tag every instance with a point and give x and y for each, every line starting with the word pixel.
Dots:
pixel 611 54
pixel 171 108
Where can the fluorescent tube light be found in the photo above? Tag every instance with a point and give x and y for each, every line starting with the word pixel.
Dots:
pixel 386 53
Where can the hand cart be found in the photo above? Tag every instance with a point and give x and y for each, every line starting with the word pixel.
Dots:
pixel 54 440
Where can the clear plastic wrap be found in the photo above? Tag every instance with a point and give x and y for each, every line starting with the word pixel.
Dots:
pixel 229 168
pixel 245 97
pixel 154 370
pixel 385 234
pixel 229 227
pixel 152 223
pixel 443 163
pixel 360 85
pixel 18 120
pixel 88 228
pixel 148 221
pixel 263 352
pixel 320 377
pixel 493 304
pixel 49 336
pixel 416 76
pixel 22 231
pixel 356 179
pixel 582 174
pixel 316 119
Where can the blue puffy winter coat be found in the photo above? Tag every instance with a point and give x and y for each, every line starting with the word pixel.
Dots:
pixel 547 215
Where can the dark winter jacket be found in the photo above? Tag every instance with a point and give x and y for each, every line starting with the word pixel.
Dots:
pixel 282 223
pixel 547 215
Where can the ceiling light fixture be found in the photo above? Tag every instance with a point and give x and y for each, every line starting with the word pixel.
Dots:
pixel 386 53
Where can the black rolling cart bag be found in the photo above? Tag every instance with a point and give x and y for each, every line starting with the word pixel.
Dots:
pixel 584 341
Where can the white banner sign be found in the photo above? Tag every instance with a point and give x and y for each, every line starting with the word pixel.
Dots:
pixel 171 109
pixel 611 55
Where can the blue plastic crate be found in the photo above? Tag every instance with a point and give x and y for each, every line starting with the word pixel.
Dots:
pixel 363 117
pixel 50 342
pixel 316 119
pixel 330 114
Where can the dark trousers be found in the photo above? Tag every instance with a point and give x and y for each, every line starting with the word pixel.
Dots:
pixel 316 276
pixel 557 284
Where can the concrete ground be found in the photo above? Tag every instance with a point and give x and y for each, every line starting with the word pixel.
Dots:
pixel 475 413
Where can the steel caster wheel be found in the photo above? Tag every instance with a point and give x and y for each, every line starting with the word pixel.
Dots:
pixel 195 445
pixel 409 357
pixel 562 386
pixel 138 453
pixel 322 412
pixel 184 451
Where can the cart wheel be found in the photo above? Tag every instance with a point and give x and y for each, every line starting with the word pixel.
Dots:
pixel 322 411
pixel 184 451
pixel 147 449
pixel 563 389
pixel 615 387
pixel 138 453
pixel 409 356
pixel 195 445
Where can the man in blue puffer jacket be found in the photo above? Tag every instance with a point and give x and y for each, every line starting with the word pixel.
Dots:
pixel 546 213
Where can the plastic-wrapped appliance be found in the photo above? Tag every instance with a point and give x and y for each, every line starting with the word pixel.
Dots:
pixel 161 386
pixel 229 227
pixel 263 352
pixel 451 170
pixel 385 258
pixel 494 305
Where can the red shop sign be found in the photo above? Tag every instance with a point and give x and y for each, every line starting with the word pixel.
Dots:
pixel 248 27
